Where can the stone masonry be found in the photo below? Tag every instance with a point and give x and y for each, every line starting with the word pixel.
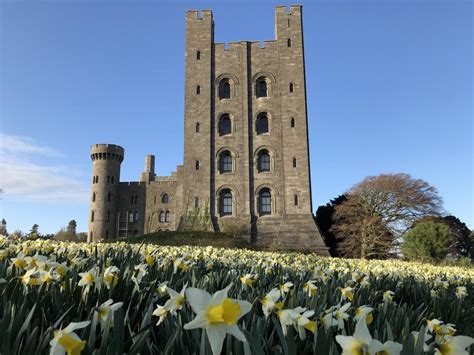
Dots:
pixel 246 150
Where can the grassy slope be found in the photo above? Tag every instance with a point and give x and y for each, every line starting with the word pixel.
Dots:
pixel 220 240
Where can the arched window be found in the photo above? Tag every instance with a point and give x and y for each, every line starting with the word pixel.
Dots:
pixel 130 217
pixel 288 42
pixel 262 87
pixel 265 202
pixel 291 87
pixel 165 198
pixel 167 216
pixel 225 162
pixel 292 122
pixel 225 200
pixel 262 123
pixel 294 162
pixel 225 125
pixel 162 216
pixel 198 127
pixel 198 164
pixel 198 55
pixel 198 90
pixel 263 161
pixel 224 89
pixel 93 197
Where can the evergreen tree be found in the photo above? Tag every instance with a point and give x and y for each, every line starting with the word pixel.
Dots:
pixel 427 241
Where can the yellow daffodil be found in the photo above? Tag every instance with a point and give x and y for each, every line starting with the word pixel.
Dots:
pixel 310 288
pixel 346 293
pixel 364 312
pixel 388 296
pixel 247 280
pixel 218 314
pixel 270 300
pixel 106 311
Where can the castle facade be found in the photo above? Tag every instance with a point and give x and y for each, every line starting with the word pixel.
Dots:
pixel 246 152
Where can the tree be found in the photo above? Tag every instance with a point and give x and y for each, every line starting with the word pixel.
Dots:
pixel 3 227
pixel 463 243
pixel 427 241
pixel 71 227
pixel 378 210
pixel 325 221
pixel 34 231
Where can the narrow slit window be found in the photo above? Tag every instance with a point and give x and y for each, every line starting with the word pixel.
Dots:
pixel 198 164
pixel 198 127
pixel 292 123
pixel 198 55
pixel 291 87
pixel 294 162
pixel 198 90
pixel 109 196
pixel 93 197
pixel 289 42
pixel 296 200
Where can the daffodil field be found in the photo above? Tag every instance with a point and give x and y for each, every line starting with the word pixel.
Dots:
pixel 118 298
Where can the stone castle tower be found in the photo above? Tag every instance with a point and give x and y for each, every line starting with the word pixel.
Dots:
pixel 246 150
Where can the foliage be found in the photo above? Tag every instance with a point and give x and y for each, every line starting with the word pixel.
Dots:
pixel 234 227
pixel 463 239
pixel 378 210
pixel 3 227
pixel 427 241
pixel 325 221
pixel 71 227
pixel 120 298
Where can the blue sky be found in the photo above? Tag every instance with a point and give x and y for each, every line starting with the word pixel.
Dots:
pixel 389 90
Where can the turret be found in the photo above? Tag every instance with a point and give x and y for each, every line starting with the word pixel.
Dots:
pixel 106 160
pixel 149 172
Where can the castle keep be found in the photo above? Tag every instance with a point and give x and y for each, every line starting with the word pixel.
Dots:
pixel 246 151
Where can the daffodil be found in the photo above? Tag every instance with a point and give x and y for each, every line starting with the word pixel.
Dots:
pixel 270 300
pixel 218 314
pixel 346 293
pixel 285 288
pixel 247 280
pixel 461 292
pixel 364 312
pixel 106 312
pixel 341 315
pixel 310 288
pixel 454 345
pixel 388 296
pixel 66 341
pixel 359 343
pixel 303 322
pixel 89 280
pixel 176 300
pixel 161 312
pixel 288 317
pixel 110 277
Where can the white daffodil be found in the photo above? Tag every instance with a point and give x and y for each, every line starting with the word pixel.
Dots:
pixel 310 288
pixel 359 343
pixel 461 292
pixel 341 315
pixel 139 272
pixel 110 276
pixel 303 322
pixel 19 262
pixel 364 312
pixel 388 296
pixel 328 319
pixel 434 293
pixel 179 263
pixel 288 317
pixel 285 288
pixel 176 300
pixel 106 312
pixel 161 312
pixel 88 280
pixel 218 314
pixel 162 289
pixel 390 348
pixel 247 281
pixel 454 345
pixel 433 325
pixel 346 293
pixel 270 300
pixel 31 277
pixel 48 276
pixel 66 341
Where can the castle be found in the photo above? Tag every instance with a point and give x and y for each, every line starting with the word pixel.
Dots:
pixel 246 151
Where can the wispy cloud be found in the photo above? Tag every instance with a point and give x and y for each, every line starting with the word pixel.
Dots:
pixel 20 178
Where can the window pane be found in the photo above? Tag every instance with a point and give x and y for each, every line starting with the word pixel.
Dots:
pixel 264 162
pixel 265 202
pixel 225 125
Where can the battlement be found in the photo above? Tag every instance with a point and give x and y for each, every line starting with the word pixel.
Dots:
pixel 292 10
pixel 134 183
pixel 107 152
pixel 199 14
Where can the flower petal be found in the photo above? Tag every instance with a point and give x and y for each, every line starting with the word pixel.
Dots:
pixel 216 335
pixel 199 322
pixel 198 299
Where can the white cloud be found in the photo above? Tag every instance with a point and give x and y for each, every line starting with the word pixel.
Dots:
pixel 22 179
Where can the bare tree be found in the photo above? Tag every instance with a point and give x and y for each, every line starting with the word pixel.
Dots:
pixel 378 210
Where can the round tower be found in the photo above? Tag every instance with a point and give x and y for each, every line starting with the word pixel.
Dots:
pixel 106 160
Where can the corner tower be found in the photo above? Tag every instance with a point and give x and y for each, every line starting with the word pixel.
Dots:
pixel 106 160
